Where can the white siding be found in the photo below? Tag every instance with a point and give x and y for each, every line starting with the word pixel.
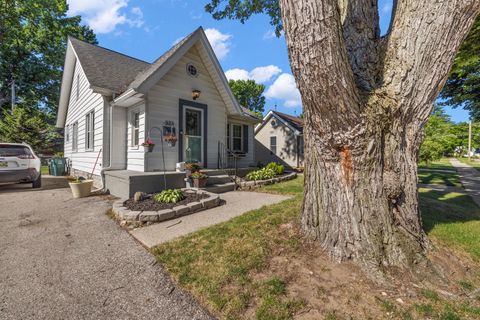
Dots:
pixel 135 154
pixel 286 145
pixel 77 110
pixel 163 104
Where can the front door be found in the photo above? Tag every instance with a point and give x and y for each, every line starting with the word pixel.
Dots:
pixel 193 137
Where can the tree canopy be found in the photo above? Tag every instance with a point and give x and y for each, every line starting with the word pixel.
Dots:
pixel 249 94
pixel 463 85
pixel 33 37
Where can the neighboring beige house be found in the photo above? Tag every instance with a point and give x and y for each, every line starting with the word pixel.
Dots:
pixel 111 103
pixel 279 138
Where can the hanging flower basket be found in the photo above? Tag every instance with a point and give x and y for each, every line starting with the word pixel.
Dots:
pixel 171 140
pixel 148 145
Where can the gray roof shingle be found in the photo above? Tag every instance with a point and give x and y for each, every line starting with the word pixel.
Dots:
pixel 105 68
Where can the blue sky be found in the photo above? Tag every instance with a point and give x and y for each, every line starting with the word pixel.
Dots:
pixel 145 29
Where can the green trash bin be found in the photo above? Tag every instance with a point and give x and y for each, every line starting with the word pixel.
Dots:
pixel 57 166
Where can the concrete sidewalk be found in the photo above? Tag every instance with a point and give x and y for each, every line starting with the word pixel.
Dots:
pixel 237 203
pixel 470 179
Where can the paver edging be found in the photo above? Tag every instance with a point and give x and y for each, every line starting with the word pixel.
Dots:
pixel 125 214
pixel 249 185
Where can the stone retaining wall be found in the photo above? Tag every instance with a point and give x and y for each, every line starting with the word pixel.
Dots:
pixel 126 214
pixel 249 185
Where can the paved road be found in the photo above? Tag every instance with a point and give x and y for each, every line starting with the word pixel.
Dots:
pixel 470 179
pixel 62 258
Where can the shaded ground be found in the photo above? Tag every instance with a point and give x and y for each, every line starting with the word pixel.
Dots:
pixel 62 258
pixel 259 266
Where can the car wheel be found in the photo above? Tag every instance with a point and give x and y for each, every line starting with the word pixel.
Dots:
pixel 37 183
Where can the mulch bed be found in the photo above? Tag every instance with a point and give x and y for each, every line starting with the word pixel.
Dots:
pixel 152 205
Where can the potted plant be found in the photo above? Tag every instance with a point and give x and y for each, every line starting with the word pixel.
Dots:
pixel 170 139
pixel 80 187
pixel 191 167
pixel 199 179
pixel 148 145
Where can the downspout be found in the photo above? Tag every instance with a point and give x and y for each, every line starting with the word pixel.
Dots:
pixel 110 144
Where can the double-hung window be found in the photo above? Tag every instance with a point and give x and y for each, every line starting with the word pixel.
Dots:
pixel 237 138
pixel 89 130
pixel 273 145
pixel 135 128
pixel 75 137
pixel 67 133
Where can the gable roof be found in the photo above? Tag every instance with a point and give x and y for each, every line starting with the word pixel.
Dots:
pixel 107 69
pixel 294 123
pixel 122 77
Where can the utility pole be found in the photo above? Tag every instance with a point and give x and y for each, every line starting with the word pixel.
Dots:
pixel 469 140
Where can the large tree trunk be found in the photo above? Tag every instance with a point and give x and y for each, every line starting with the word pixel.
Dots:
pixel 366 100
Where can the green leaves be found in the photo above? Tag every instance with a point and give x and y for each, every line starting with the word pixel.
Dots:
pixel 243 9
pixel 463 85
pixel 249 94
pixel 169 196
pixel 33 35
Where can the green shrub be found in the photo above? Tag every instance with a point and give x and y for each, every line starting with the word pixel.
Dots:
pixel 169 196
pixel 262 174
pixel 198 175
pixel 192 166
pixel 277 168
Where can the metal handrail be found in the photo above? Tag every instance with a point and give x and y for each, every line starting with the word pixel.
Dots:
pixel 222 162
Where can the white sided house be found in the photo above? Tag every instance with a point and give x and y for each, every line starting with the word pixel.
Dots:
pixel 279 138
pixel 111 103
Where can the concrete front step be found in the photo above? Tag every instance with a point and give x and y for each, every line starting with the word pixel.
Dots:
pixel 220 188
pixel 220 179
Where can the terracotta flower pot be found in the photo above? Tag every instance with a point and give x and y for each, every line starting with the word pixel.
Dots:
pixel 200 183
pixel 81 189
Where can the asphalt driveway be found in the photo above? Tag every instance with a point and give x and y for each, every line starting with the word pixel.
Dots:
pixel 62 258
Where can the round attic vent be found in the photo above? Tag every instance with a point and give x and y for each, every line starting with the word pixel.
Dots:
pixel 192 70
pixel 273 123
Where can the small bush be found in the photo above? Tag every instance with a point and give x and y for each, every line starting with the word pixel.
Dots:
pixel 277 168
pixel 169 196
pixel 262 174
pixel 192 166
pixel 199 175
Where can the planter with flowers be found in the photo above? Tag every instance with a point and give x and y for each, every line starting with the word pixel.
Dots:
pixel 170 139
pixel 148 145
pixel 199 179
pixel 191 167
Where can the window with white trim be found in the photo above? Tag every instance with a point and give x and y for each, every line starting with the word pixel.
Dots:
pixel 273 145
pixel 75 137
pixel 89 130
pixel 135 128
pixel 237 137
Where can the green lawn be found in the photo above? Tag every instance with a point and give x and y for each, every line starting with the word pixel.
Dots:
pixel 443 178
pixel 438 177
pixel 227 266
pixel 442 164
pixel 44 170
pixel 475 164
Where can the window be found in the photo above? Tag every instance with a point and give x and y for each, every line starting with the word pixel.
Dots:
pixel 273 145
pixel 75 137
pixel 89 130
pixel 237 137
pixel 192 70
pixel 77 87
pixel 300 145
pixel 135 128
pixel 67 133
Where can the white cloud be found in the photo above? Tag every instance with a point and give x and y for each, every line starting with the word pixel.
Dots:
pixel 284 88
pixel 103 16
pixel 259 74
pixel 220 42
pixel 270 34
pixel 237 74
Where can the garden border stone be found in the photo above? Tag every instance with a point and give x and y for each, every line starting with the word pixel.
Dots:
pixel 249 185
pixel 125 214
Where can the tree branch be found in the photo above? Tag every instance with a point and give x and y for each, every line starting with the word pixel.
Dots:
pixel 361 31
pixel 318 58
pixel 424 38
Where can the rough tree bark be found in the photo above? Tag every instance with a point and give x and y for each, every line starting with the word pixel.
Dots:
pixel 366 99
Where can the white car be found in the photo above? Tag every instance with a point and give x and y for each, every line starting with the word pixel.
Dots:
pixel 19 164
